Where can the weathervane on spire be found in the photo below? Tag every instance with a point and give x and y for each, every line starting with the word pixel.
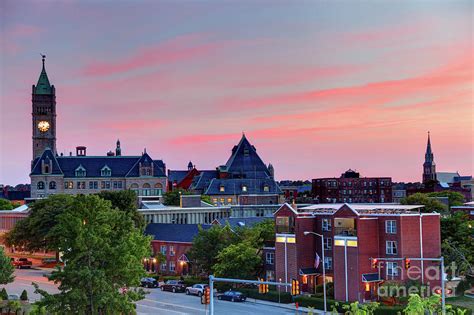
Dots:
pixel 43 58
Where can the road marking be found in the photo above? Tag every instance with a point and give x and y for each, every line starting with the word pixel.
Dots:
pixel 162 309
pixel 182 306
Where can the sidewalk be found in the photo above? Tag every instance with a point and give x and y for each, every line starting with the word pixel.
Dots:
pixel 291 306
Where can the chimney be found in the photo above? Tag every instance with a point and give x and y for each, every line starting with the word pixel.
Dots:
pixel 110 153
pixel 80 151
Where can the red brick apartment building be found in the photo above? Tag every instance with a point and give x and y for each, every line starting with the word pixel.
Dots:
pixel 352 188
pixel 353 234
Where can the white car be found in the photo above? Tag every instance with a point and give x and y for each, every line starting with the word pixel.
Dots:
pixel 197 289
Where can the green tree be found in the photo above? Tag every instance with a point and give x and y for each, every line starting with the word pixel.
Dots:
pixel 455 198
pixel 3 295
pixel 237 261
pixel 206 199
pixel 103 253
pixel 125 200
pixel 172 198
pixel 430 204
pixel 457 241
pixel 5 204
pixel 6 268
pixel 207 245
pixel 24 296
pixel 419 306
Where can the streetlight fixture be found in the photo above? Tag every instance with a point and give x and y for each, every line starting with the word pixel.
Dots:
pixel 324 269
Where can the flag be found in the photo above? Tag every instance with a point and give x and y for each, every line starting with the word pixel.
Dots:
pixel 317 260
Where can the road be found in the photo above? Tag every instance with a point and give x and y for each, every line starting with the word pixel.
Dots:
pixel 156 302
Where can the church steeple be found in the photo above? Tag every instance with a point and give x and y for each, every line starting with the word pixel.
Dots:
pixel 118 150
pixel 429 167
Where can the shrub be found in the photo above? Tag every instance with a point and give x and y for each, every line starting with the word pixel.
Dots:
pixel 24 296
pixel 318 303
pixel 4 294
pixel 14 305
pixel 389 310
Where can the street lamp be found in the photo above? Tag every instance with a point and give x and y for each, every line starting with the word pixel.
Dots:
pixel 324 270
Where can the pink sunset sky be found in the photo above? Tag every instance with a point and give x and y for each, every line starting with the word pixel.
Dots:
pixel 317 86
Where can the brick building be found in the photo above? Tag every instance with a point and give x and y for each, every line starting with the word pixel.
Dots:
pixel 467 208
pixel 353 234
pixel 352 188
pixel 173 241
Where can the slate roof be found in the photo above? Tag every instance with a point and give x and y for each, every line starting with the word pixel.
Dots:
pixel 446 177
pixel 121 166
pixel 245 162
pixel 43 86
pixel 176 176
pixel 174 232
pixel 202 181
pixel 234 186
pixel 242 222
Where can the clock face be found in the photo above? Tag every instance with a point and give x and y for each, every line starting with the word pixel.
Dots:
pixel 43 126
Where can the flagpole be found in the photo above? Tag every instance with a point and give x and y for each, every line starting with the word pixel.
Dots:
pixel 324 269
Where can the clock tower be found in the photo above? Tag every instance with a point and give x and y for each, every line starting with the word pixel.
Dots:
pixel 44 115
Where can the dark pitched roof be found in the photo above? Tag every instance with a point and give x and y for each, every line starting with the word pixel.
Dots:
pixel 245 162
pixel 234 186
pixel 174 232
pixel 202 181
pixel 121 166
pixel 43 86
pixel 242 222
pixel 176 176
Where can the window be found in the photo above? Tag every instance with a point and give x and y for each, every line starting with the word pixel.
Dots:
pixel 244 188
pixel 93 185
pixel 163 266
pixel 105 185
pixel 392 269
pixel 52 185
pixel 391 227
pixel 270 275
pixel 172 266
pixel 326 224
pixel 46 169
pixel 80 171
pixel 222 189
pixel 284 225
pixel 391 247
pixel 119 185
pixel 115 184
pixel 163 249
pixel 40 185
pixel 266 188
pixel 270 258
pixel 327 243
pixel 106 171
pixel 68 185
pixel 172 250
pixel 81 185
pixel 328 263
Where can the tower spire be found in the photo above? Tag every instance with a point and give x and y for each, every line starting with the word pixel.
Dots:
pixel 429 167
pixel 43 86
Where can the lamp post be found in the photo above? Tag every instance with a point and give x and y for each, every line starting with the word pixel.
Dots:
pixel 324 270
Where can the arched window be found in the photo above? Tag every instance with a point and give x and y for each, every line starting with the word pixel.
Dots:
pixel 158 185
pixel 80 171
pixel 52 185
pixel 106 171
pixel 134 186
pixel 40 185
pixel 46 169
pixel 146 185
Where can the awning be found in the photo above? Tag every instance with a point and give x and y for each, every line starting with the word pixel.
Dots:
pixel 308 272
pixel 371 277
pixel 184 258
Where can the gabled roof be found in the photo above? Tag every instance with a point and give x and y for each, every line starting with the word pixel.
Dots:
pixel 233 186
pixel 184 233
pixel 176 176
pixel 47 156
pixel 447 177
pixel 145 159
pixel 202 181
pixel 245 162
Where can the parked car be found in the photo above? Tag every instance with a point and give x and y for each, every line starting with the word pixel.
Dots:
pixel 173 286
pixel 22 263
pixel 234 296
pixel 149 283
pixel 197 289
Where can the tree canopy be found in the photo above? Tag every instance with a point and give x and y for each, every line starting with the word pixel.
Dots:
pixel 238 261
pixel 6 268
pixel 125 200
pixel 455 198
pixel 431 204
pixel 6 204
pixel 103 252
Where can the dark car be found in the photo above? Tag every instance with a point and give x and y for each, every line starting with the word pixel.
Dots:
pixel 234 296
pixel 149 283
pixel 173 286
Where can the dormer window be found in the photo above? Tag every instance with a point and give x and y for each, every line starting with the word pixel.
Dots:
pixel 244 188
pixel 266 188
pixel 221 188
pixel 80 171
pixel 106 171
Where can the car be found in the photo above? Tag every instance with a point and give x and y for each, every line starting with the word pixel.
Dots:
pixel 149 282
pixel 173 286
pixel 197 289
pixel 234 296
pixel 22 263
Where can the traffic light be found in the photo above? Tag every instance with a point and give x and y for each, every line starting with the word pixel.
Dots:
pixel 407 263
pixel 374 262
pixel 295 287
pixel 262 288
pixel 207 295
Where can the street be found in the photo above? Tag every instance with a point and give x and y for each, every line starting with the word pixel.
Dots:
pixel 156 302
